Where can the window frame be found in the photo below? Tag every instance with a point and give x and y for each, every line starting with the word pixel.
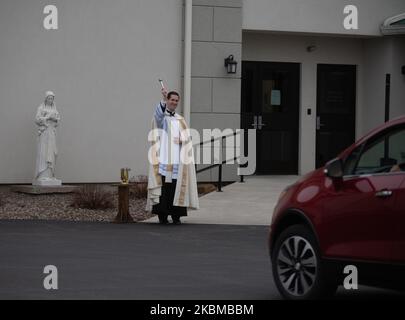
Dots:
pixel 389 26
pixel 386 132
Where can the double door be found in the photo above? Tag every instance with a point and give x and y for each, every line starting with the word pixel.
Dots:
pixel 270 104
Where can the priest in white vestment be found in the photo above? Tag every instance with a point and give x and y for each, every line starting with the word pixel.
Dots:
pixel 172 184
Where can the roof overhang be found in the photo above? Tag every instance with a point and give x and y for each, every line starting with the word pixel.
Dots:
pixel 394 25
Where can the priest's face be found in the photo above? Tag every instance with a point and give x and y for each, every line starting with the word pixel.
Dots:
pixel 173 101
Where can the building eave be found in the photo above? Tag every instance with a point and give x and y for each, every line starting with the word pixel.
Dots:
pixel 389 27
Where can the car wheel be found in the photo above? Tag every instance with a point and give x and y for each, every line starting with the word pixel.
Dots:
pixel 298 270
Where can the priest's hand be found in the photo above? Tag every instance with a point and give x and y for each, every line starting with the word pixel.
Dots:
pixel 176 140
pixel 164 94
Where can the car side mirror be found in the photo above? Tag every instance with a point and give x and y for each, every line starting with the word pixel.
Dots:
pixel 334 169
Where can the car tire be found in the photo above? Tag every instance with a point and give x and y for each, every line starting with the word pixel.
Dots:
pixel 298 270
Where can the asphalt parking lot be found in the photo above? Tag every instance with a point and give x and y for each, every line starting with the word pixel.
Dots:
pixel 140 261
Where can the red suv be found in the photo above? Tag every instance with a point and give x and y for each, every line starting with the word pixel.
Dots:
pixel 350 212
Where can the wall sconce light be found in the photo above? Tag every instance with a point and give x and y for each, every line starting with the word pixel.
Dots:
pixel 231 65
pixel 403 70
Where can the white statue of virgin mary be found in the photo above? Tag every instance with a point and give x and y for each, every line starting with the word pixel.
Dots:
pixel 47 120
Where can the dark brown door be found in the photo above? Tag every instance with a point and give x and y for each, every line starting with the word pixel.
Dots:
pixel 270 104
pixel 336 110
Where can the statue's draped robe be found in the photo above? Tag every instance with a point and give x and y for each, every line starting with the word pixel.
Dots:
pixel 186 194
pixel 47 119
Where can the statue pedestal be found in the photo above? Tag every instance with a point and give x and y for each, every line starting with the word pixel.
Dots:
pixel 47 183
pixel 31 189
pixel 123 215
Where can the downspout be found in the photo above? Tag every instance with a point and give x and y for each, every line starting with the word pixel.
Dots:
pixel 188 25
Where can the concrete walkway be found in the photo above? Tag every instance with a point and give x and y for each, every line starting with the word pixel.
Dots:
pixel 248 203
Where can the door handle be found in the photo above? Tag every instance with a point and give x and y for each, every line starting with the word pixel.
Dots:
pixel 254 124
pixel 261 124
pixel 318 123
pixel 383 193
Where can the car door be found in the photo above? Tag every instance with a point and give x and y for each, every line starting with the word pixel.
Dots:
pixel 400 212
pixel 362 214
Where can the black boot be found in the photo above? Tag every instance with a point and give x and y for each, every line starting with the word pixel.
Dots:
pixel 176 220
pixel 163 219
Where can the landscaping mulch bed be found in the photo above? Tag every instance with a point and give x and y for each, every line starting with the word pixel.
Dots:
pixel 19 206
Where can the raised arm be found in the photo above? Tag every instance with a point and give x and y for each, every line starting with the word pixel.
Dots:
pixel 160 110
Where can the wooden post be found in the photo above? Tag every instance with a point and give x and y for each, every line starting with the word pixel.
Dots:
pixel 123 215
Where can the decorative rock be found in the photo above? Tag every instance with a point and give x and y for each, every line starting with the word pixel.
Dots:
pixel 21 206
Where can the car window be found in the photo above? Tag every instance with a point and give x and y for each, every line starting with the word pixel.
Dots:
pixel 351 161
pixel 384 154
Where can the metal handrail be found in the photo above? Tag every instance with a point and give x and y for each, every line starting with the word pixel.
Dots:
pixel 217 138
pixel 219 165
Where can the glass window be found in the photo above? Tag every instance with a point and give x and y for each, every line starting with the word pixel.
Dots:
pixel 385 154
pixel 351 160
pixel 272 94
